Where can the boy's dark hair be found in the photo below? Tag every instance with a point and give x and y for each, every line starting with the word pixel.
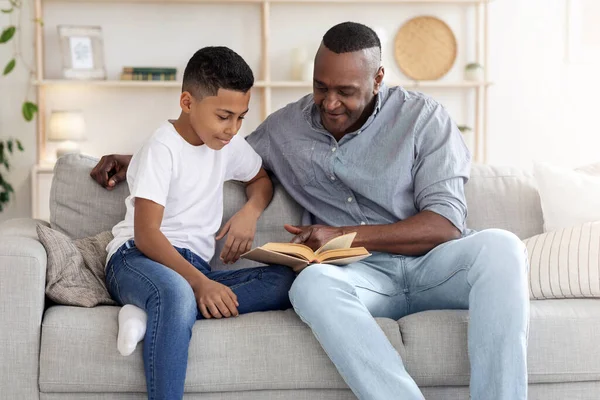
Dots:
pixel 214 68
pixel 351 36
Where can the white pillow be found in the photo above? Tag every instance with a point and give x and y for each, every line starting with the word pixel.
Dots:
pixel 565 263
pixel 569 197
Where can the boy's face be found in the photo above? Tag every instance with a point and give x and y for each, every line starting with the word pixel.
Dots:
pixel 217 119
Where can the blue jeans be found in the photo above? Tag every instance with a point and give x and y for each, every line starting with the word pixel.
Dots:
pixel 169 301
pixel 485 273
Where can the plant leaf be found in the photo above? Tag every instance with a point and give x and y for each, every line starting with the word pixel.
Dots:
pixel 7 11
pixel 8 187
pixel 19 145
pixel 9 144
pixel 3 197
pixel 29 109
pixel 1 155
pixel 7 165
pixel 9 67
pixel 7 34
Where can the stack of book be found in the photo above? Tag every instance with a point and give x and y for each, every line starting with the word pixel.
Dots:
pixel 148 74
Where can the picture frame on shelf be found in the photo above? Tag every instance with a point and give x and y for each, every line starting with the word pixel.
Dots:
pixel 82 50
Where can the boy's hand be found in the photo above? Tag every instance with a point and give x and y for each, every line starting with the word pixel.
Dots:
pixel 215 300
pixel 240 230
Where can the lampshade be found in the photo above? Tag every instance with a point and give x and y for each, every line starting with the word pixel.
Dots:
pixel 66 125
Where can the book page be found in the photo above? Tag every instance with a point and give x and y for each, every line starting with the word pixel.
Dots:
pixel 341 253
pixel 340 242
pixel 270 257
pixel 293 249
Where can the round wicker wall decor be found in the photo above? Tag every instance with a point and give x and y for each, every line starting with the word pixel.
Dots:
pixel 425 48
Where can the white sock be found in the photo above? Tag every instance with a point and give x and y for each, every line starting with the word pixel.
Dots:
pixel 132 328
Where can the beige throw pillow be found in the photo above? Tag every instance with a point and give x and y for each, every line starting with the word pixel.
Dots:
pixel 75 268
pixel 565 263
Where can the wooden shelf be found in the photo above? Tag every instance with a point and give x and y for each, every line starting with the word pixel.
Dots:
pixel 278 1
pixel 260 84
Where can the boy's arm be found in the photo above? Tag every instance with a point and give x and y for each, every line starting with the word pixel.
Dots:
pixel 242 226
pixel 214 299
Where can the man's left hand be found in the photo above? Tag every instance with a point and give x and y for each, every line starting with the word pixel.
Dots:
pixel 240 231
pixel 313 236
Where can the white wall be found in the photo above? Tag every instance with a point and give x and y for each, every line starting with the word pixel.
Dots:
pixel 12 124
pixel 539 108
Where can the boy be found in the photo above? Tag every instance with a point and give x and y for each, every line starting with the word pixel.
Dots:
pixel 158 258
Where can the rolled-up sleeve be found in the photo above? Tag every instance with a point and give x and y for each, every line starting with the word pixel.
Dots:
pixel 442 166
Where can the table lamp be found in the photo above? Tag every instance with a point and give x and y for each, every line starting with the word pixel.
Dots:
pixel 66 127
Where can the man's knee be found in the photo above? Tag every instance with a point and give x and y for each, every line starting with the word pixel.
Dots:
pixel 503 253
pixel 316 287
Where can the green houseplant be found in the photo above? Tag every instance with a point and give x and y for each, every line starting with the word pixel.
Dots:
pixel 9 146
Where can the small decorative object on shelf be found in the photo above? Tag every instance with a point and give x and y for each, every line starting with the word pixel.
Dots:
pixel 299 58
pixel 474 72
pixel 464 128
pixel 148 74
pixel 82 52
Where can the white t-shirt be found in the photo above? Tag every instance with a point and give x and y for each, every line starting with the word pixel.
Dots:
pixel 188 181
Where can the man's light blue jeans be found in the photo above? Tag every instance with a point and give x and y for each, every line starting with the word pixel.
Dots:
pixel 169 301
pixel 485 272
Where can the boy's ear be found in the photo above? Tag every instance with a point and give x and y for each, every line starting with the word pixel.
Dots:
pixel 185 102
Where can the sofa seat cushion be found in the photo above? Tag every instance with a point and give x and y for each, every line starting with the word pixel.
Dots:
pixel 563 344
pixel 259 351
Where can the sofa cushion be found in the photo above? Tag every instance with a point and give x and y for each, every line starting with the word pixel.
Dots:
pixel 565 263
pixel 75 269
pixel 258 351
pixel 505 198
pixel 562 344
pixel 79 207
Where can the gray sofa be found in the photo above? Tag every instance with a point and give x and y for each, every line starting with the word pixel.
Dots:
pixel 58 352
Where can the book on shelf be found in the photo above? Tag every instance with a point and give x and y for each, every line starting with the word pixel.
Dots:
pixel 337 251
pixel 148 74
pixel 150 70
pixel 147 77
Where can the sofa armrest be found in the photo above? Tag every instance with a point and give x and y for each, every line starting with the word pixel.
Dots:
pixel 22 294
pixel 21 227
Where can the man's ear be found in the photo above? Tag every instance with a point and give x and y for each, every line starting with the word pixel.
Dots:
pixel 378 80
pixel 185 102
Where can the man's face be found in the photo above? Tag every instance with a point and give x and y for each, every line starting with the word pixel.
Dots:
pixel 343 86
pixel 217 119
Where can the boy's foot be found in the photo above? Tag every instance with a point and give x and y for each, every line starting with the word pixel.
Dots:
pixel 132 328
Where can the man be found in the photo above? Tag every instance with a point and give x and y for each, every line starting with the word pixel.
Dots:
pixel 391 166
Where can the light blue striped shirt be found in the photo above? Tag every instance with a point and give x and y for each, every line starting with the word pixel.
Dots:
pixel 408 157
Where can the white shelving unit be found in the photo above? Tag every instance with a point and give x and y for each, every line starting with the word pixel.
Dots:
pixel 266 84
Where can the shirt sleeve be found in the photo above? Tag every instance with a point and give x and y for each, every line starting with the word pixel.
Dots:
pixel 243 163
pixel 442 166
pixel 153 173
pixel 260 141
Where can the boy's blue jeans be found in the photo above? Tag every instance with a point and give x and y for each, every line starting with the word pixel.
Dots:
pixel 169 301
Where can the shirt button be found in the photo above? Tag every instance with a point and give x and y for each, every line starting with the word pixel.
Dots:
pixel 349 199
pixel 362 223
pixel 332 178
pixel 333 149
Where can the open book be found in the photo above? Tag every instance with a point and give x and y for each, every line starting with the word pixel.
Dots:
pixel 337 251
